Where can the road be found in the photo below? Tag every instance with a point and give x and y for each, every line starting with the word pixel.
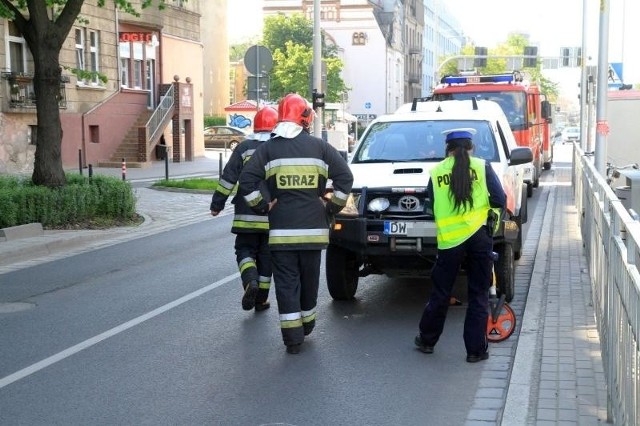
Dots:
pixel 150 331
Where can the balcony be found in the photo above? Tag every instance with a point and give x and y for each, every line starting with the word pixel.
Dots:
pixel 21 95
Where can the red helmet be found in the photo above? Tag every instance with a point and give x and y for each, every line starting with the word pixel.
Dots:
pixel 265 119
pixel 294 108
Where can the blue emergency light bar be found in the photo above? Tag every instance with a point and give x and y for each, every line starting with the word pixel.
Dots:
pixel 496 78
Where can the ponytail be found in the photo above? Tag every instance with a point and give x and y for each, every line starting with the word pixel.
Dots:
pixel 460 188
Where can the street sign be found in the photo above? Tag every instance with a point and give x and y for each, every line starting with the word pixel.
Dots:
pixel 258 60
pixel 252 87
pixel 367 105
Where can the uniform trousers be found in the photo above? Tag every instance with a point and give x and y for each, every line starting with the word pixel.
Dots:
pixel 296 275
pixel 254 261
pixel 477 250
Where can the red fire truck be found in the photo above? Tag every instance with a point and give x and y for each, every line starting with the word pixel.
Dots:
pixel 528 113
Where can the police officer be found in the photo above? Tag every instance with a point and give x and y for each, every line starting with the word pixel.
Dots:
pixel 251 229
pixel 296 167
pixel 462 190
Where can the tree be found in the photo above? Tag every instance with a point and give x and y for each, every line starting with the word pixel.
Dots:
pixel 498 63
pixel 45 25
pixel 290 39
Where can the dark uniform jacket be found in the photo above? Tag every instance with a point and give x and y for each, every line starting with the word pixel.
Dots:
pixel 296 171
pixel 245 220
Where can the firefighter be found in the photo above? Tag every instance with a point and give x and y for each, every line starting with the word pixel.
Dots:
pixel 296 167
pixel 462 190
pixel 251 229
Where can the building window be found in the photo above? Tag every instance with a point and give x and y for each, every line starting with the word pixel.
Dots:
pixel 80 49
pixel 17 50
pixel 125 54
pixel 33 135
pixel 94 134
pixel 359 38
pixel 94 54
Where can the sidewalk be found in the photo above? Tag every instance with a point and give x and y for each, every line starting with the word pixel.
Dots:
pixel 557 375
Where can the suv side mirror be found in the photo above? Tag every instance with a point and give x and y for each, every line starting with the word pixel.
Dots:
pixel 520 155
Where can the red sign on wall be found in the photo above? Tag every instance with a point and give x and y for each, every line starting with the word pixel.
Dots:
pixel 135 36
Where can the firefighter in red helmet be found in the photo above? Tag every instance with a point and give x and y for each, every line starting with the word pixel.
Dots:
pixel 296 167
pixel 251 229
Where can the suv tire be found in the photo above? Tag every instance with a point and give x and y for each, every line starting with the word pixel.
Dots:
pixel 505 271
pixel 341 266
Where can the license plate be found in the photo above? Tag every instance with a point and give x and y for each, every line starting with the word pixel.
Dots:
pixel 409 229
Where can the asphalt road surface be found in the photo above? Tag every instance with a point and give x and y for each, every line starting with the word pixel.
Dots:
pixel 151 331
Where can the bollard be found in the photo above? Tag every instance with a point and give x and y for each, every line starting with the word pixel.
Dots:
pixel 166 163
pixel 220 166
pixel 80 161
pixel 90 171
pixel 124 169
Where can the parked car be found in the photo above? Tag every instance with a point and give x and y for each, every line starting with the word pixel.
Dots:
pixel 385 227
pixel 570 134
pixel 223 137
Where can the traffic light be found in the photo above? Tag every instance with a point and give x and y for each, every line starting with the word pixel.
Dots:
pixel 480 62
pixel 530 56
pixel 318 99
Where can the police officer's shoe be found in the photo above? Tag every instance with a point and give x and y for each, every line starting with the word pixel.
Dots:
pixel 262 306
pixel 293 349
pixel 422 347
pixel 250 293
pixel 477 357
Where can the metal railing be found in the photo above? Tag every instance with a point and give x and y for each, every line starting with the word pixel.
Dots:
pixel 21 93
pixel 612 246
pixel 158 117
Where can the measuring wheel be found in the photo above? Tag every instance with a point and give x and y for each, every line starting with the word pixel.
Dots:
pixel 501 323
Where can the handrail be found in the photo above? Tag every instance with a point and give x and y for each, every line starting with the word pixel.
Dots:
pixel 159 115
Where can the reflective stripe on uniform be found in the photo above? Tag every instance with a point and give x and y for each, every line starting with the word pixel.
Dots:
pixel 296 166
pixel 298 236
pixel 248 221
pixel 308 316
pixel 291 320
pixel 254 198
pixel 247 155
pixel 246 263
pixel 224 187
pixel 264 282
pixel 339 198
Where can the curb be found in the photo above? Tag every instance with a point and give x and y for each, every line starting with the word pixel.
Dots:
pixel 518 401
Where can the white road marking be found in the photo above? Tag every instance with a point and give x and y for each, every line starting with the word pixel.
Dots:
pixel 5 381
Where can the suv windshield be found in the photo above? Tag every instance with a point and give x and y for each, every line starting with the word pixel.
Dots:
pixel 408 141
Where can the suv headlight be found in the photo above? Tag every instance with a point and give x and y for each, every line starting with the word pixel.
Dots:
pixel 378 204
pixel 351 206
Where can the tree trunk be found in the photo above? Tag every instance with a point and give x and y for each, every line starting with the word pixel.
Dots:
pixel 47 168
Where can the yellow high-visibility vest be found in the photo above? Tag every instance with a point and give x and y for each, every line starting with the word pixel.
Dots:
pixel 456 226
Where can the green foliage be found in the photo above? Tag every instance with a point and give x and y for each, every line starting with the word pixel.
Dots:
pixel 290 40
pixel 81 202
pixel 514 46
pixel 214 121
pixel 203 184
pixel 237 51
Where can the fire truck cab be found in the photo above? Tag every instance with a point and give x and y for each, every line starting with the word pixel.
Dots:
pixel 528 114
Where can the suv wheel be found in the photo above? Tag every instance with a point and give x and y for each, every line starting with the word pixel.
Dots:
pixel 505 271
pixel 342 272
pixel 529 190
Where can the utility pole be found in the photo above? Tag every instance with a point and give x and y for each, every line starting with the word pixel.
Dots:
pixel 583 82
pixel 602 88
pixel 317 66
